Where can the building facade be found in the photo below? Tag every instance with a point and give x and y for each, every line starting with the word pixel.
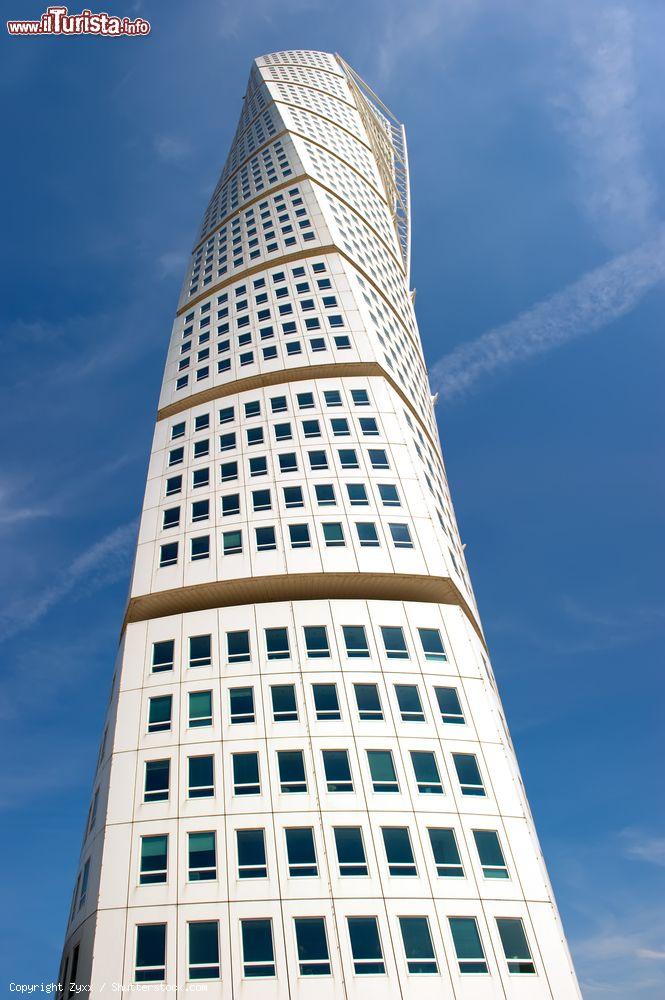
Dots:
pixel 306 784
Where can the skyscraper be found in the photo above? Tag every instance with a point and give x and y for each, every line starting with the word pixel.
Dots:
pixel 306 784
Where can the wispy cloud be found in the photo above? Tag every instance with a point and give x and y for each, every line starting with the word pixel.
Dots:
pixel 416 26
pixel 589 304
pixel 642 846
pixel 173 148
pixel 103 563
pixel 235 19
pixel 622 956
pixel 599 113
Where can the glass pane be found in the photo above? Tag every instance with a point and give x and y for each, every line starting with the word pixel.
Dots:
pixel 515 945
pixel 312 946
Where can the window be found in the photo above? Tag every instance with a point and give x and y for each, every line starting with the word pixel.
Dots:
pixel 201 478
pixel 201 778
pixel 432 644
pixel 333 535
pixel 449 705
pixel 355 640
pixel 246 774
pixel 251 854
pixel 241 702
pixel 283 432
pixel 326 702
pixel 410 705
pixel 357 495
pixel 284 706
pixel 277 643
pixel 348 458
pixel 368 702
pixel 200 547
pixel 468 947
pixel 168 554
pixel 173 485
pixel 446 853
pixel 162 655
pixel 325 494
pixel 426 772
pixel 201 448
pixel 378 458
pixel 515 946
pixel 202 422
pixel 418 947
pixel 367 534
pixel 291 766
pixel 84 883
pixel 305 400
pixel 468 774
pixel 311 428
pixel 178 431
pixel 159 714
pixel 312 946
pixel 382 771
pixel 360 397
pixel 333 397
pixel 150 964
pixel 399 852
pixel 230 504
pixel 231 542
pixel 350 851
pixel 389 495
pixel 288 462
pixel 202 856
pixel 394 642
pixel 253 408
pixel 368 426
pixel 237 647
pixel 261 500
pixel 366 946
pixel 258 954
pixel 299 535
pixel 337 770
pixel 316 641
pixel 200 709
pixel 200 510
pixel 156 788
pixel 200 651
pixel 293 496
pixel 171 518
pixel 300 852
pixel 229 471
pixel 204 949
pixel 340 427
pixel 401 536
pixel 176 456
pixel 491 856
pixel 278 404
pixel 258 466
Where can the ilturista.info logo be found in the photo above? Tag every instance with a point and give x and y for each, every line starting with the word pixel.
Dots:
pixel 58 21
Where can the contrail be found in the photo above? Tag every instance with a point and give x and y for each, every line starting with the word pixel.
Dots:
pixel 597 299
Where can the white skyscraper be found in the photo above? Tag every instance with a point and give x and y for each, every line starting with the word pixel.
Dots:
pixel 306 787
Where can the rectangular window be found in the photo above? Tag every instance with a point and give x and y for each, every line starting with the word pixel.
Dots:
pixel 312 946
pixel 84 884
pixel 201 778
pixel 382 771
pixel 228 471
pixel 200 548
pixel 291 767
pixel 153 866
pixel 261 500
pixel 410 705
pixel 468 946
pixel 378 458
pixel 326 702
pixel 168 554
pixel 368 702
pixel 258 954
pixel 284 705
pixel 230 504
pixel 159 714
pixel 355 640
pixel 399 852
pixel 237 647
pixel 366 946
pixel 251 845
pixel 173 485
pixel 432 644
pixel 277 643
pixel 300 852
pixel 200 709
pixel 389 495
pixel 348 458
pixel 204 949
pixel 426 772
pixel 446 853
pixel 288 462
pixel 200 510
pixel 368 426
pixel 293 497
pixel 265 539
pixel 299 536
pixel 333 534
pixel 515 946
pixel 350 851
pixel 246 774
pixel 171 517
pixel 449 705
pixel 200 650
pixel 163 655
pixel 241 701
pixel 150 964
pixel 316 641
pixel 202 857
pixel 156 788
pixel 418 947
pixel 360 397
pixel 357 495
pixel 325 494
pixel 337 770
pixel 401 536
pixel 468 774
pixel 491 856
pixel 231 542
pixel 394 642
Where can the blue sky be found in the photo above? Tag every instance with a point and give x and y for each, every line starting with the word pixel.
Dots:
pixel 536 147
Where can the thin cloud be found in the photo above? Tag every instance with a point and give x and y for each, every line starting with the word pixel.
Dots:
pixel 173 148
pixel 103 563
pixel 589 304
pixel 413 26
pixel 640 846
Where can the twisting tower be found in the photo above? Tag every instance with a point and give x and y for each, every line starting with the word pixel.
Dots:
pixel 306 781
